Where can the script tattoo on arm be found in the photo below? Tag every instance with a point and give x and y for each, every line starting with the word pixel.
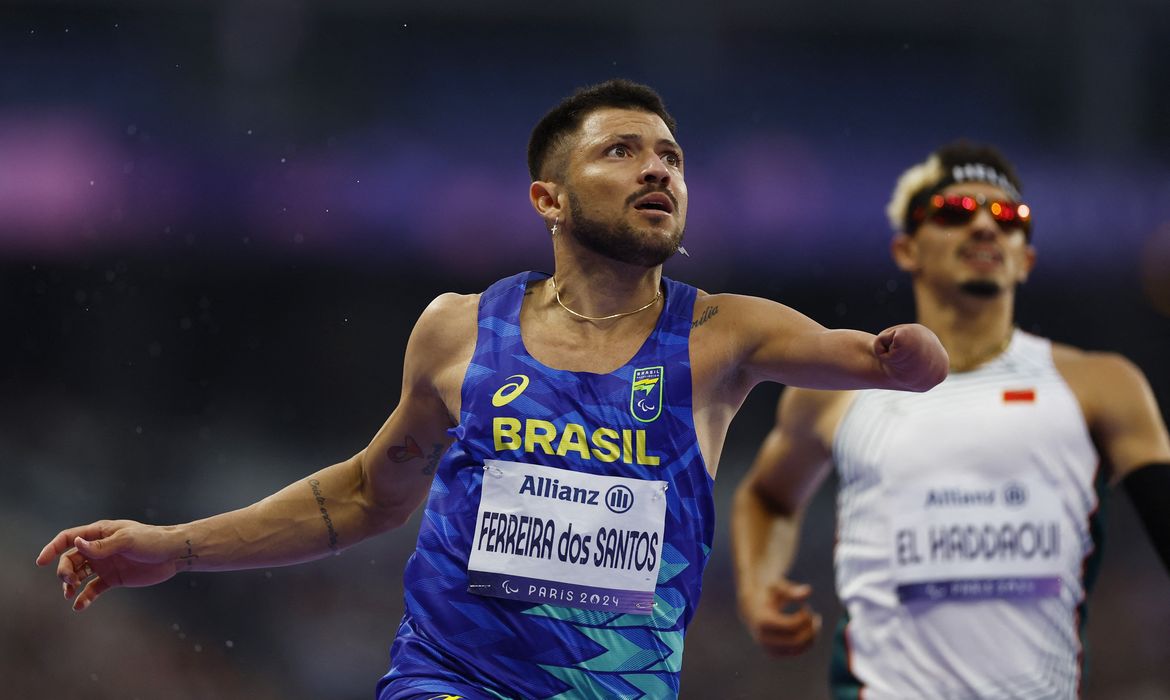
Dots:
pixel 316 486
pixel 190 557
pixel 705 316
pixel 433 459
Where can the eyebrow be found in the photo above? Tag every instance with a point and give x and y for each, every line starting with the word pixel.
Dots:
pixel 638 138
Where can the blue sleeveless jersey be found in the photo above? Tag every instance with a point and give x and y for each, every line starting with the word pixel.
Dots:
pixel 461 643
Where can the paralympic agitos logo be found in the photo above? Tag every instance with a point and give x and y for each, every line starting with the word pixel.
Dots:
pixel 646 394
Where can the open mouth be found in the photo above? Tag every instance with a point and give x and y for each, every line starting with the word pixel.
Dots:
pixel 655 202
pixel 983 256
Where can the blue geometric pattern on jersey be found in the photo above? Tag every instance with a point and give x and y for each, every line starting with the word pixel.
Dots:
pixel 523 650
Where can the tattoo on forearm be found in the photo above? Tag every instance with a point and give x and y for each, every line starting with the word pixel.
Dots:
pixel 433 460
pixel 190 557
pixel 404 453
pixel 706 316
pixel 316 485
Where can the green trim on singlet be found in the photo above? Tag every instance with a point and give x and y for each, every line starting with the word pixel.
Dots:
pixel 1092 566
pixel 843 685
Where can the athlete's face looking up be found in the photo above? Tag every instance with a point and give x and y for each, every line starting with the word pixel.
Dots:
pixel 623 181
pixel 979 257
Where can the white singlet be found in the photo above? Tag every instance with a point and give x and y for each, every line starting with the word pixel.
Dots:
pixel 965 528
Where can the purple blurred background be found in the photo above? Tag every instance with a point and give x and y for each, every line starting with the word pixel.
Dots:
pixel 218 222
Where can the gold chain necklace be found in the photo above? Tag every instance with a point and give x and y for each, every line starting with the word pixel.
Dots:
pixel 557 293
pixel 985 357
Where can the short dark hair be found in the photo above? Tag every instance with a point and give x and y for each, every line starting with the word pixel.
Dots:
pixel 956 161
pixel 962 152
pixel 567 116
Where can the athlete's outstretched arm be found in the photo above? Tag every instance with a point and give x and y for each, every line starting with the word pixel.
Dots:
pixel 777 343
pixel 765 522
pixel 373 491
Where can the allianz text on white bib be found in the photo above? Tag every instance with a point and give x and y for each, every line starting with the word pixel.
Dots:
pixel 546 535
pixel 968 538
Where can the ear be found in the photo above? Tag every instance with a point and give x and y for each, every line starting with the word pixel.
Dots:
pixel 904 251
pixel 1029 263
pixel 546 200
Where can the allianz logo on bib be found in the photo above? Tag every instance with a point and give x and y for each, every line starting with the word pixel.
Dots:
pixel 938 498
pixel 1015 494
pixel 618 498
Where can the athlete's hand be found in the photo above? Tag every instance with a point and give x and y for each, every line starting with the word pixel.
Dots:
pixel 912 356
pixel 107 554
pixel 780 618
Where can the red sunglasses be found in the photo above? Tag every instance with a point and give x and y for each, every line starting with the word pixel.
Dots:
pixel 960 209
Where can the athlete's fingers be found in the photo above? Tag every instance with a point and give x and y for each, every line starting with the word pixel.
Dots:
pixel 785 592
pixel 56 546
pixel 794 637
pixel 779 623
pixel 104 546
pixel 789 645
pixel 99 548
pixel 73 567
pixel 96 586
pixel 66 539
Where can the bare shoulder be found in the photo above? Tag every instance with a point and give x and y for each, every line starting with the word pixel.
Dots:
pixel 442 343
pixel 723 329
pixel 447 322
pixel 740 303
pixel 706 308
pixel 738 341
pixel 741 317
pixel 1091 373
pixel 1118 405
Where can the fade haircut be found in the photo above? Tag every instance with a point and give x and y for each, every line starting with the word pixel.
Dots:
pixel 564 119
pixel 958 161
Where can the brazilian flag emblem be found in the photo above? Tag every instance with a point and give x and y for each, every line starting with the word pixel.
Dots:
pixel 646 394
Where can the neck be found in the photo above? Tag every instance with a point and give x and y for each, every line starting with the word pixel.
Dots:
pixel 974 331
pixel 595 286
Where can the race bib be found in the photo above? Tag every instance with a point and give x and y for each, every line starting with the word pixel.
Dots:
pixel 546 535
pixel 965 538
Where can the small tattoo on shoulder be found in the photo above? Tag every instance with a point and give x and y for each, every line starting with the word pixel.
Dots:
pixel 705 316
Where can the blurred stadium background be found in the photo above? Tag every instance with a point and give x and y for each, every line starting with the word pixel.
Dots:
pixel 218 222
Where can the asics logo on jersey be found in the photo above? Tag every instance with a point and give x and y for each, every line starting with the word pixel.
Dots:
pixel 509 391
